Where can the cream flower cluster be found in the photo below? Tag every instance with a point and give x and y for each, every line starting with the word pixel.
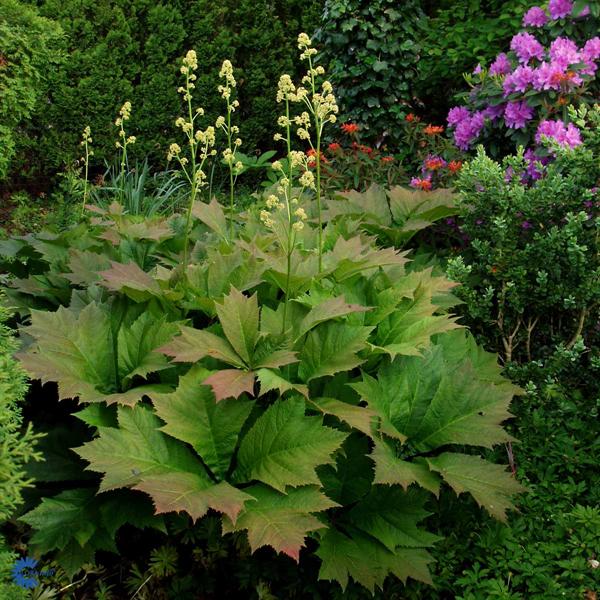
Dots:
pixel 86 140
pixel 124 115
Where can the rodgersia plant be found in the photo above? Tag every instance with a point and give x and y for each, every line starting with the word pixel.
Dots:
pixel 294 393
pixel 525 92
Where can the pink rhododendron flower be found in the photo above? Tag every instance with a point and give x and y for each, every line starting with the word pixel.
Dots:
pixel 457 114
pixel 535 17
pixel 519 81
pixel 468 129
pixel 517 114
pixel 564 52
pixel 501 65
pixel 526 47
pixel 494 112
pixel 566 136
pixel 591 49
pixel 551 76
pixel 559 9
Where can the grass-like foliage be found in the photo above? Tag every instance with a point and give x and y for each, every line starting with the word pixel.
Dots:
pixel 276 367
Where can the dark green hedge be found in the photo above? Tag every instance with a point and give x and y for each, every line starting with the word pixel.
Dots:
pixel 130 50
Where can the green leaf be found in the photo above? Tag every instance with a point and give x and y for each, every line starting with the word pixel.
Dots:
pixel 239 318
pixel 98 415
pixel 137 346
pixel 391 470
pixel 135 450
pixel 192 493
pixel 211 215
pixel 195 344
pixel 409 328
pixel 434 401
pixel 358 417
pixel 77 523
pixel 331 348
pixel 351 477
pixel 269 381
pixel 491 485
pixel 280 520
pixel 367 561
pixel 284 447
pixel 193 416
pixel 326 310
pixel 75 350
pixel 391 515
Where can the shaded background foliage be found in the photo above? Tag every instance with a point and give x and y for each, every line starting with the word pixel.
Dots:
pixel 117 51
pixel 385 59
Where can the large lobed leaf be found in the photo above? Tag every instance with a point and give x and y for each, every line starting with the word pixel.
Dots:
pixel 284 447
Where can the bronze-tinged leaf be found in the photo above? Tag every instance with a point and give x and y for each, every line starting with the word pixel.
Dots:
pixel 129 278
pixel 193 494
pixel 211 215
pixel 194 344
pixel 280 520
pixel 230 383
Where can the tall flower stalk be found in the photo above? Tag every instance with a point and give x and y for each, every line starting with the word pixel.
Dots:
pixel 122 143
pixel 322 109
pixel 224 123
pixel 200 145
pixel 86 141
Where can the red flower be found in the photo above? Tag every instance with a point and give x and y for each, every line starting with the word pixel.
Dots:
pixel 387 159
pixel 312 157
pixel 410 117
pixel 349 128
pixel 433 129
pixel 454 166
pixel 434 163
pixel 334 147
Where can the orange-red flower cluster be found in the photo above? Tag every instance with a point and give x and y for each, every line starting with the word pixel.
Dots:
pixel 434 163
pixel 454 166
pixel 421 184
pixel 412 118
pixel 350 128
pixel 433 129
pixel 387 159
pixel 334 147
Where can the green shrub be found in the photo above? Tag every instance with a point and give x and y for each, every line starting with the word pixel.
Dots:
pixel 531 272
pixel 459 34
pixel 30 47
pixel 372 50
pixel 17 446
pixel 128 51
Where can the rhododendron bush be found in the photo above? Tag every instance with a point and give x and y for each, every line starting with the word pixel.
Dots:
pixel 524 93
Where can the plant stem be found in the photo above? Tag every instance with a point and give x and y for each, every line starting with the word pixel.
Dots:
pixel 231 183
pixel 194 185
pixel 85 180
